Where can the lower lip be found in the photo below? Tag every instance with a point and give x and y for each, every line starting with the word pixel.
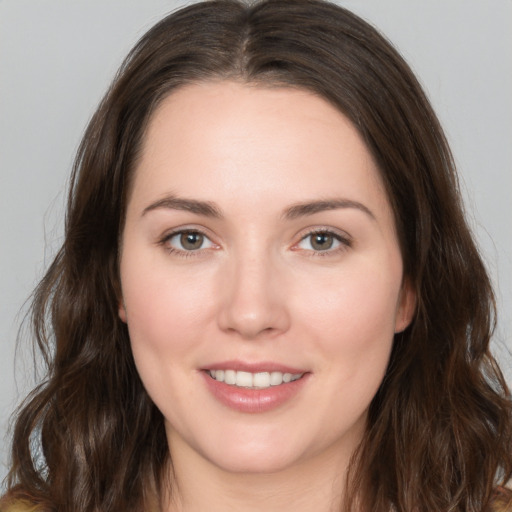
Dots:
pixel 254 400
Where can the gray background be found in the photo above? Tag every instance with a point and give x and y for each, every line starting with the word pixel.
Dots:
pixel 58 56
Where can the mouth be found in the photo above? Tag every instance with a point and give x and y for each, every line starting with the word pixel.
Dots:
pixel 249 380
pixel 254 387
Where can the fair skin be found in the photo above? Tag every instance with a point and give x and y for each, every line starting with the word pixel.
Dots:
pixel 259 238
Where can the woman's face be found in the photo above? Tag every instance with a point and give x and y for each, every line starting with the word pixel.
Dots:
pixel 261 276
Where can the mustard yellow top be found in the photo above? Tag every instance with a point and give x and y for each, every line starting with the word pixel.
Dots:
pixel 19 506
pixel 503 503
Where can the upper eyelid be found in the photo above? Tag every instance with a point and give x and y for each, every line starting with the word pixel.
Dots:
pixel 164 241
pixel 185 229
pixel 344 240
pixel 337 233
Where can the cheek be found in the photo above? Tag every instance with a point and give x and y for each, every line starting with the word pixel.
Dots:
pixel 162 309
pixel 165 331
pixel 352 317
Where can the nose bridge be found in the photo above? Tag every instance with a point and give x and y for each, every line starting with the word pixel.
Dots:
pixel 253 299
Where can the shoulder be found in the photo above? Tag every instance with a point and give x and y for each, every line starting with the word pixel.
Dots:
pixel 18 506
pixel 502 501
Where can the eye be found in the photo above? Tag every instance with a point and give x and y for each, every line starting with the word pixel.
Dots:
pixel 188 241
pixel 323 241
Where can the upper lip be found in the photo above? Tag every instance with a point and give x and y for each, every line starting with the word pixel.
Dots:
pixel 253 367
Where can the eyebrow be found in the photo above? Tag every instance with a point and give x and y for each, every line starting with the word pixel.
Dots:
pixel 209 209
pixel 205 208
pixel 310 208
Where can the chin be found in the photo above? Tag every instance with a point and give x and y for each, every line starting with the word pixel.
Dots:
pixel 268 454
pixel 252 461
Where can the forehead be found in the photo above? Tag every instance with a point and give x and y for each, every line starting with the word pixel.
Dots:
pixel 254 142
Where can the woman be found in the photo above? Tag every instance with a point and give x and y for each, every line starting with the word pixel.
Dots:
pixel 268 295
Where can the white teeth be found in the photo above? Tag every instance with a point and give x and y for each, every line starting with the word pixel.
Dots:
pixel 229 376
pixel 276 378
pixel 244 379
pixel 261 380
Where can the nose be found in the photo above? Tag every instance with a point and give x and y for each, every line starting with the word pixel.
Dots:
pixel 253 301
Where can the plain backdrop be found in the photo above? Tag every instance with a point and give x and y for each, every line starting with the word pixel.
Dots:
pixel 57 58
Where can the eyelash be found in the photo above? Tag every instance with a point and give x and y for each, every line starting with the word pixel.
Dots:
pixel 164 241
pixel 344 241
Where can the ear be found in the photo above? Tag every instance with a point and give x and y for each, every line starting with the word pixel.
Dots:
pixel 406 306
pixel 121 307
pixel 121 310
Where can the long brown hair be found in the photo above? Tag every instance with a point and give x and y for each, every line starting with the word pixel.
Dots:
pixel 439 431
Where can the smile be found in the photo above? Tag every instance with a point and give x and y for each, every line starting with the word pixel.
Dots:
pixel 260 380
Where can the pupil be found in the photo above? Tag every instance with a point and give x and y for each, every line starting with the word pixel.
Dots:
pixel 191 241
pixel 322 241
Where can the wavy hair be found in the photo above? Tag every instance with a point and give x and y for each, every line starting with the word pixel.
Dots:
pixel 439 432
